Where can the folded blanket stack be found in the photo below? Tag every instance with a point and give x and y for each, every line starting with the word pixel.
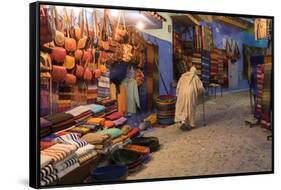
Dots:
pixel 60 121
pixel 266 103
pixel 117 118
pixel 86 153
pixel 57 161
pixel 110 105
pixel 80 113
pixel 205 74
pixel 259 77
pixel 102 142
pixel 214 57
pixel 220 64
pixel 92 93
pixel 45 127
pixel 197 62
pixel 72 139
pixel 48 175
pixel 104 85
pixel 96 109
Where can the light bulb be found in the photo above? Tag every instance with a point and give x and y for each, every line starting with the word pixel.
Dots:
pixel 140 25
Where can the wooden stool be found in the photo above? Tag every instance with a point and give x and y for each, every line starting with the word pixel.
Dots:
pixel 214 86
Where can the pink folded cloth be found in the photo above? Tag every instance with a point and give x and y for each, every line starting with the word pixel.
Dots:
pixel 114 116
pixel 120 121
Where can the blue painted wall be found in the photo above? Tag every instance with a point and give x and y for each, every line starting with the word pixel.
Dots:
pixel 221 31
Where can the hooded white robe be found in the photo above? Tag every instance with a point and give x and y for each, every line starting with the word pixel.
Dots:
pixel 188 89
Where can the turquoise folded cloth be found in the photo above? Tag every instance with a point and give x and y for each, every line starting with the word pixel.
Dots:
pixel 114 132
pixel 95 108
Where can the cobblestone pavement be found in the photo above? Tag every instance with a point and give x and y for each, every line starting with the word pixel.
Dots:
pixel 224 145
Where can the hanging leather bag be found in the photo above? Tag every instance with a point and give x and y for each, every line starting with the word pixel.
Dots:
pixel 59 36
pixel 58 73
pixel 58 54
pixel 46 32
pixel 69 62
pixel 70 43
pixel 70 79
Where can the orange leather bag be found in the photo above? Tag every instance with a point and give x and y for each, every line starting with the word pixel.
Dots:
pixel 69 62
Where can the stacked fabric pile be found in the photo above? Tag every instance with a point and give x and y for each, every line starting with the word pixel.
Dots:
pixel 220 66
pixel 104 86
pixel 48 175
pixel 225 69
pixel 45 127
pixel 166 105
pixel 102 142
pixel 60 121
pixel 197 62
pixel 80 113
pixel 115 134
pixel 207 38
pixel 125 130
pixel 117 118
pixel 110 105
pixel 92 93
pixel 266 94
pixel 86 153
pixel 214 58
pixel 97 110
pixel 259 77
pixel 205 68
pixel 62 159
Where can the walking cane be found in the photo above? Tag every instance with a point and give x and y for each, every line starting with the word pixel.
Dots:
pixel 204 121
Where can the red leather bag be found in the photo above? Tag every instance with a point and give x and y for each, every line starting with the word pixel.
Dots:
pixel 79 71
pixel 78 54
pixel 70 79
pixel 87 56
pixel 45 27
pixel 58 73
pixel 88 74
pixel 58 54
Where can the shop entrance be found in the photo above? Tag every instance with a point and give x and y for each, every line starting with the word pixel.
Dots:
pixel 152 81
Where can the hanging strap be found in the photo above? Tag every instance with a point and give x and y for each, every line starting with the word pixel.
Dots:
pixel 66 21
pixel 81 24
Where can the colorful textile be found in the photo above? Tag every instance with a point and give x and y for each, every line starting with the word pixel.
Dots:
pixel 78 110
pixel 57 152
pixel 69 162
pixel 113 91
pixel 266 107
pixel 95 121
pixel 58 117
pixel 67 170
pixel 47 170
pixel 46 144
pixel 120 121
pixel 95 138
pixel 49 179
pixel 72 139
pixel 108 124
pixel 79 129
pixel 132 95
pixel 114 116
pixel 95 108
pixel 85 150
pixel 45 160
pixel 87 157
pixel 113 132
pixel 121 99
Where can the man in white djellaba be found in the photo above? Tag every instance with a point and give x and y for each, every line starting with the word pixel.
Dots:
pixel 188 88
